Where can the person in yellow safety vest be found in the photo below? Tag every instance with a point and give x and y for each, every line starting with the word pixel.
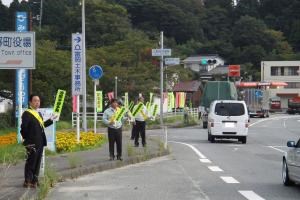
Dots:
pixel 34 139
pixel 140 124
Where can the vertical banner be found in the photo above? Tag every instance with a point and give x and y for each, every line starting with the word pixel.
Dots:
pixel 182 98
pixel 50 130
pixel 21 26
pixel 177 100
pixel 110 95
pixel 171 101
pixel 126 101
pixel 74 104
pixel 99 97
pixel 151 97
pixel 59 101
pixel 77 67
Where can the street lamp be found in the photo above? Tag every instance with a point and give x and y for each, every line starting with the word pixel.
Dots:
pixel 116 87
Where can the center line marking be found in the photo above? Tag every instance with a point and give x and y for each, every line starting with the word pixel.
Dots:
pixel 215 168
pixel 205 160
pixel 250 195
pixel 193 148
pixel 229 179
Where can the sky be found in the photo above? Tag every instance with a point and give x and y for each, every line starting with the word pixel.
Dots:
pixel 6 2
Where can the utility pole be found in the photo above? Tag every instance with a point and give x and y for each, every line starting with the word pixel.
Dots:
pixel 161 78
pixel 84 67
pixel 41 15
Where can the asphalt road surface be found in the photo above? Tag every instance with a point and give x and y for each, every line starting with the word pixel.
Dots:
pixel 197 169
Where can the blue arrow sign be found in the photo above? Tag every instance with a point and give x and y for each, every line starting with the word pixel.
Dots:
pixel 96 72
pixel 77 39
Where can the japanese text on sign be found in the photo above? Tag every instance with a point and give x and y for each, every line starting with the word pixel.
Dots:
pixel 59 101
pixel 76 64
pixel 17 50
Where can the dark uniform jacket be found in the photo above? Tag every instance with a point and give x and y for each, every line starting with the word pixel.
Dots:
pixel 31 130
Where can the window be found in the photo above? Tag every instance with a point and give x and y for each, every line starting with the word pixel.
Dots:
pixel 285 71
pixel 229 109
pixel 298 144
pixel 293 85
pixel 274 71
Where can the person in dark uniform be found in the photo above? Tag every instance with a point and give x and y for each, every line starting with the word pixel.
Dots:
pixel 34 140
pixel 114 130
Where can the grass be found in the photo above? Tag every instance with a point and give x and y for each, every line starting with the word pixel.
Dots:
pixel 130 150
pixel 48 181
pixel 74 161
pixel 7 130
pixel 62 125
pixel 11 154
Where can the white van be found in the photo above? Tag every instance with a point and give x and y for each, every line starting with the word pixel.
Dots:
pixel 228 119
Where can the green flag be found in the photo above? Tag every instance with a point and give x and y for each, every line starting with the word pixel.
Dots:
pixel 59 101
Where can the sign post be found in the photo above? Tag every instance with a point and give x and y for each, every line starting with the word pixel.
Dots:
pixel 95 73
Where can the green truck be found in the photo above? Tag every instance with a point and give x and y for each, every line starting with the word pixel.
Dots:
pixel 216 90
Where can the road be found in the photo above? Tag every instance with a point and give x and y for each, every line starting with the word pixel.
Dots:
pixel 197 169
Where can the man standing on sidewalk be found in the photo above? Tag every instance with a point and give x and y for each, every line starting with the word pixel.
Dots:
pixel 140 124
pixel 114 129
pixel 32 131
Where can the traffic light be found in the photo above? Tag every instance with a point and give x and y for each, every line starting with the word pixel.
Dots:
pixel 208 61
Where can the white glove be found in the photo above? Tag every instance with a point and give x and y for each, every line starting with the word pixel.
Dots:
pixel 54 117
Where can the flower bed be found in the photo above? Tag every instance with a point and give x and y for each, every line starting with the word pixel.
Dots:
pixel 67 141
pixel 10 138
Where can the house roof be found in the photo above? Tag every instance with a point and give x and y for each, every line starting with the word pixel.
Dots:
pixel 189 86
pixel 197 59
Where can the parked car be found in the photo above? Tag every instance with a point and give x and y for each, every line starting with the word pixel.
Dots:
pixel 291 164
pixel 228 119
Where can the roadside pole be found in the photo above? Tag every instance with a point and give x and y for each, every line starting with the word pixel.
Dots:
pixel 84 68
pixel 78 118
pixel 96 82
pixel 161 78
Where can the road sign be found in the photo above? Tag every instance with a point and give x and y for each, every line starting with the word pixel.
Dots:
pixel 161 52
pixel 95 72
pixel 17 50
pixel 77 68
pixel 258 93
pixel 234 71
pixel 172 61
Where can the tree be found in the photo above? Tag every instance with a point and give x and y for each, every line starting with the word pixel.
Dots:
pixel 247 7
pixel 4 22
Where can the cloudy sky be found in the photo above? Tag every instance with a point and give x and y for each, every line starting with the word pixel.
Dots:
pixel 6 2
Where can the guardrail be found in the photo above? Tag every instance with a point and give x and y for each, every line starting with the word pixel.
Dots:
pixel 193 112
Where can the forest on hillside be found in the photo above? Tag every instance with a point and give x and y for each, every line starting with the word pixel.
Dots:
pixel 121 33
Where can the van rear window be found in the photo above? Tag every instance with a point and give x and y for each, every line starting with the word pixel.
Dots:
pixel 229 109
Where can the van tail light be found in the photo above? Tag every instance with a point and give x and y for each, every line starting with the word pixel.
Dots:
pixel 247 123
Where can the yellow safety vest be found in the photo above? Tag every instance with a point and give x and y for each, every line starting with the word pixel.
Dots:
pixel 37 116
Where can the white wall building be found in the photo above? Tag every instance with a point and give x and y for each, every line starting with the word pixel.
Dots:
pixel 282 71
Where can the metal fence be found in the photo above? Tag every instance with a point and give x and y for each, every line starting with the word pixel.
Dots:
pixel 193 112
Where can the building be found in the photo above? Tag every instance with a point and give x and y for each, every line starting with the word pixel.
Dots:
pixel 203 63
pixel 193 90
pixel 282 71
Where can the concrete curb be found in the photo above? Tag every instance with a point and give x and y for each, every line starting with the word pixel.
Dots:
pixel 85 170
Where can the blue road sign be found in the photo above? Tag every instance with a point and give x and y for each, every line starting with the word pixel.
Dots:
pixel 96 72
pixel 258 93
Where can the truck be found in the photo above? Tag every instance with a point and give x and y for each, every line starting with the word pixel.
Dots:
pixel 257 101
pixel 216 90
pixel 294 105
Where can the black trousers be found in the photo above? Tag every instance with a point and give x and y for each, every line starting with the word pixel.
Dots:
pixel 115 136
pixel 133 131
pixel 140 129
pixel 33 163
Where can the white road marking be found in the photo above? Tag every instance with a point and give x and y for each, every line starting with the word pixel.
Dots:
pixel 277 149
pixel 205 160
pixel 250 195
pixel 229 179
pixel 274 118
pixel 284 125
pixel 215 169
pixel 193 148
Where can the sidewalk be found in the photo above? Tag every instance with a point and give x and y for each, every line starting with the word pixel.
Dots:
pixel 76 164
